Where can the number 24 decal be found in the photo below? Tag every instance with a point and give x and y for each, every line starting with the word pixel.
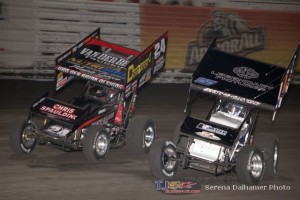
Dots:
pixel 58 130
pixel 160 47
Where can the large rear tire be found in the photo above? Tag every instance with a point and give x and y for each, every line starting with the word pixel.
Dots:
pixel 160 159
pixel 268 144
pixel 141 134
pixel 96 144
pixel 250 165
pixel 21 140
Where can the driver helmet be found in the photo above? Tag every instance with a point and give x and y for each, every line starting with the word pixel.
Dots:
pixel 101 92
pixel 235 109
pixel 110 95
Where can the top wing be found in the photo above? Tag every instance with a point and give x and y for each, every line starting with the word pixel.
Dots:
pixel 146 64
pixel 241 79
pixel 110 64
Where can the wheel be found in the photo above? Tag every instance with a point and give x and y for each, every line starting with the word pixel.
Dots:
pixel 96 144
pixel 142 133
pixel 160 159
pixel 268 144
pixel 21 140
pixel 250 165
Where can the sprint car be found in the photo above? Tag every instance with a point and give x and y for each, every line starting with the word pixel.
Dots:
pixel 225 95
pixel 92 106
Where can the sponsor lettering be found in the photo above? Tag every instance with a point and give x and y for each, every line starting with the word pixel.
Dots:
pixel 60 110
pixel 84 66
pixel 146 77
pixel 209 128
pixel 234 97
pixel 135 71
pixel 90 77
pixel 104 120
pixel 103 58
pixel 241 82
pixel 160 63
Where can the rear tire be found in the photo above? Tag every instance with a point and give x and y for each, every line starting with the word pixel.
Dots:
pixel 96 144
pixel 20 139
pixel 142 132
pixel 159 159
pixel 268 144
pixel 250 165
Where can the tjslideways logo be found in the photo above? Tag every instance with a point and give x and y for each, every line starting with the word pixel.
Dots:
pixel 177 186
pixel 234 35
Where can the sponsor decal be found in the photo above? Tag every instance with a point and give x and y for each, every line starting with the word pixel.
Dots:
pixel 57 130
pixel 208 135
pixel 241 82
pixel 234 97
pixel 90 77
pixel 128 90
pixel 177 186
pixel 205 81
pixel 159 64
pixel 245 72
pixel 146 77
pixel 135 71
pixel 103 57
pixel 234 35
pixel 84 66
pixel 60 110
pixel 61 82
pixel 104 120
pixel 134 87
pixel 209 128
pixel 64 56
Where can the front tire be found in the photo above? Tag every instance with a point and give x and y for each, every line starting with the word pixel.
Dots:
pixel 268 144
pixel 161 159
pixel 143 132
pixel 96 144
pixel 250 165
pixel 21 140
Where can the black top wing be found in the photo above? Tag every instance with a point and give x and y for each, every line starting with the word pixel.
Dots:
pixel 242 79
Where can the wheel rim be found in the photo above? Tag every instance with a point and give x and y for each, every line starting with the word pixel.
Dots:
pixel 149 134
pixel 256 165
pixel 101 144
pixel 275 158
pixel 168 164
pixel 26 139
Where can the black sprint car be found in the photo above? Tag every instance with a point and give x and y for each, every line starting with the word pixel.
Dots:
pixel 219 138
pixel 92 108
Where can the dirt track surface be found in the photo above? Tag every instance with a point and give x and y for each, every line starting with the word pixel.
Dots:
pixel 49 173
